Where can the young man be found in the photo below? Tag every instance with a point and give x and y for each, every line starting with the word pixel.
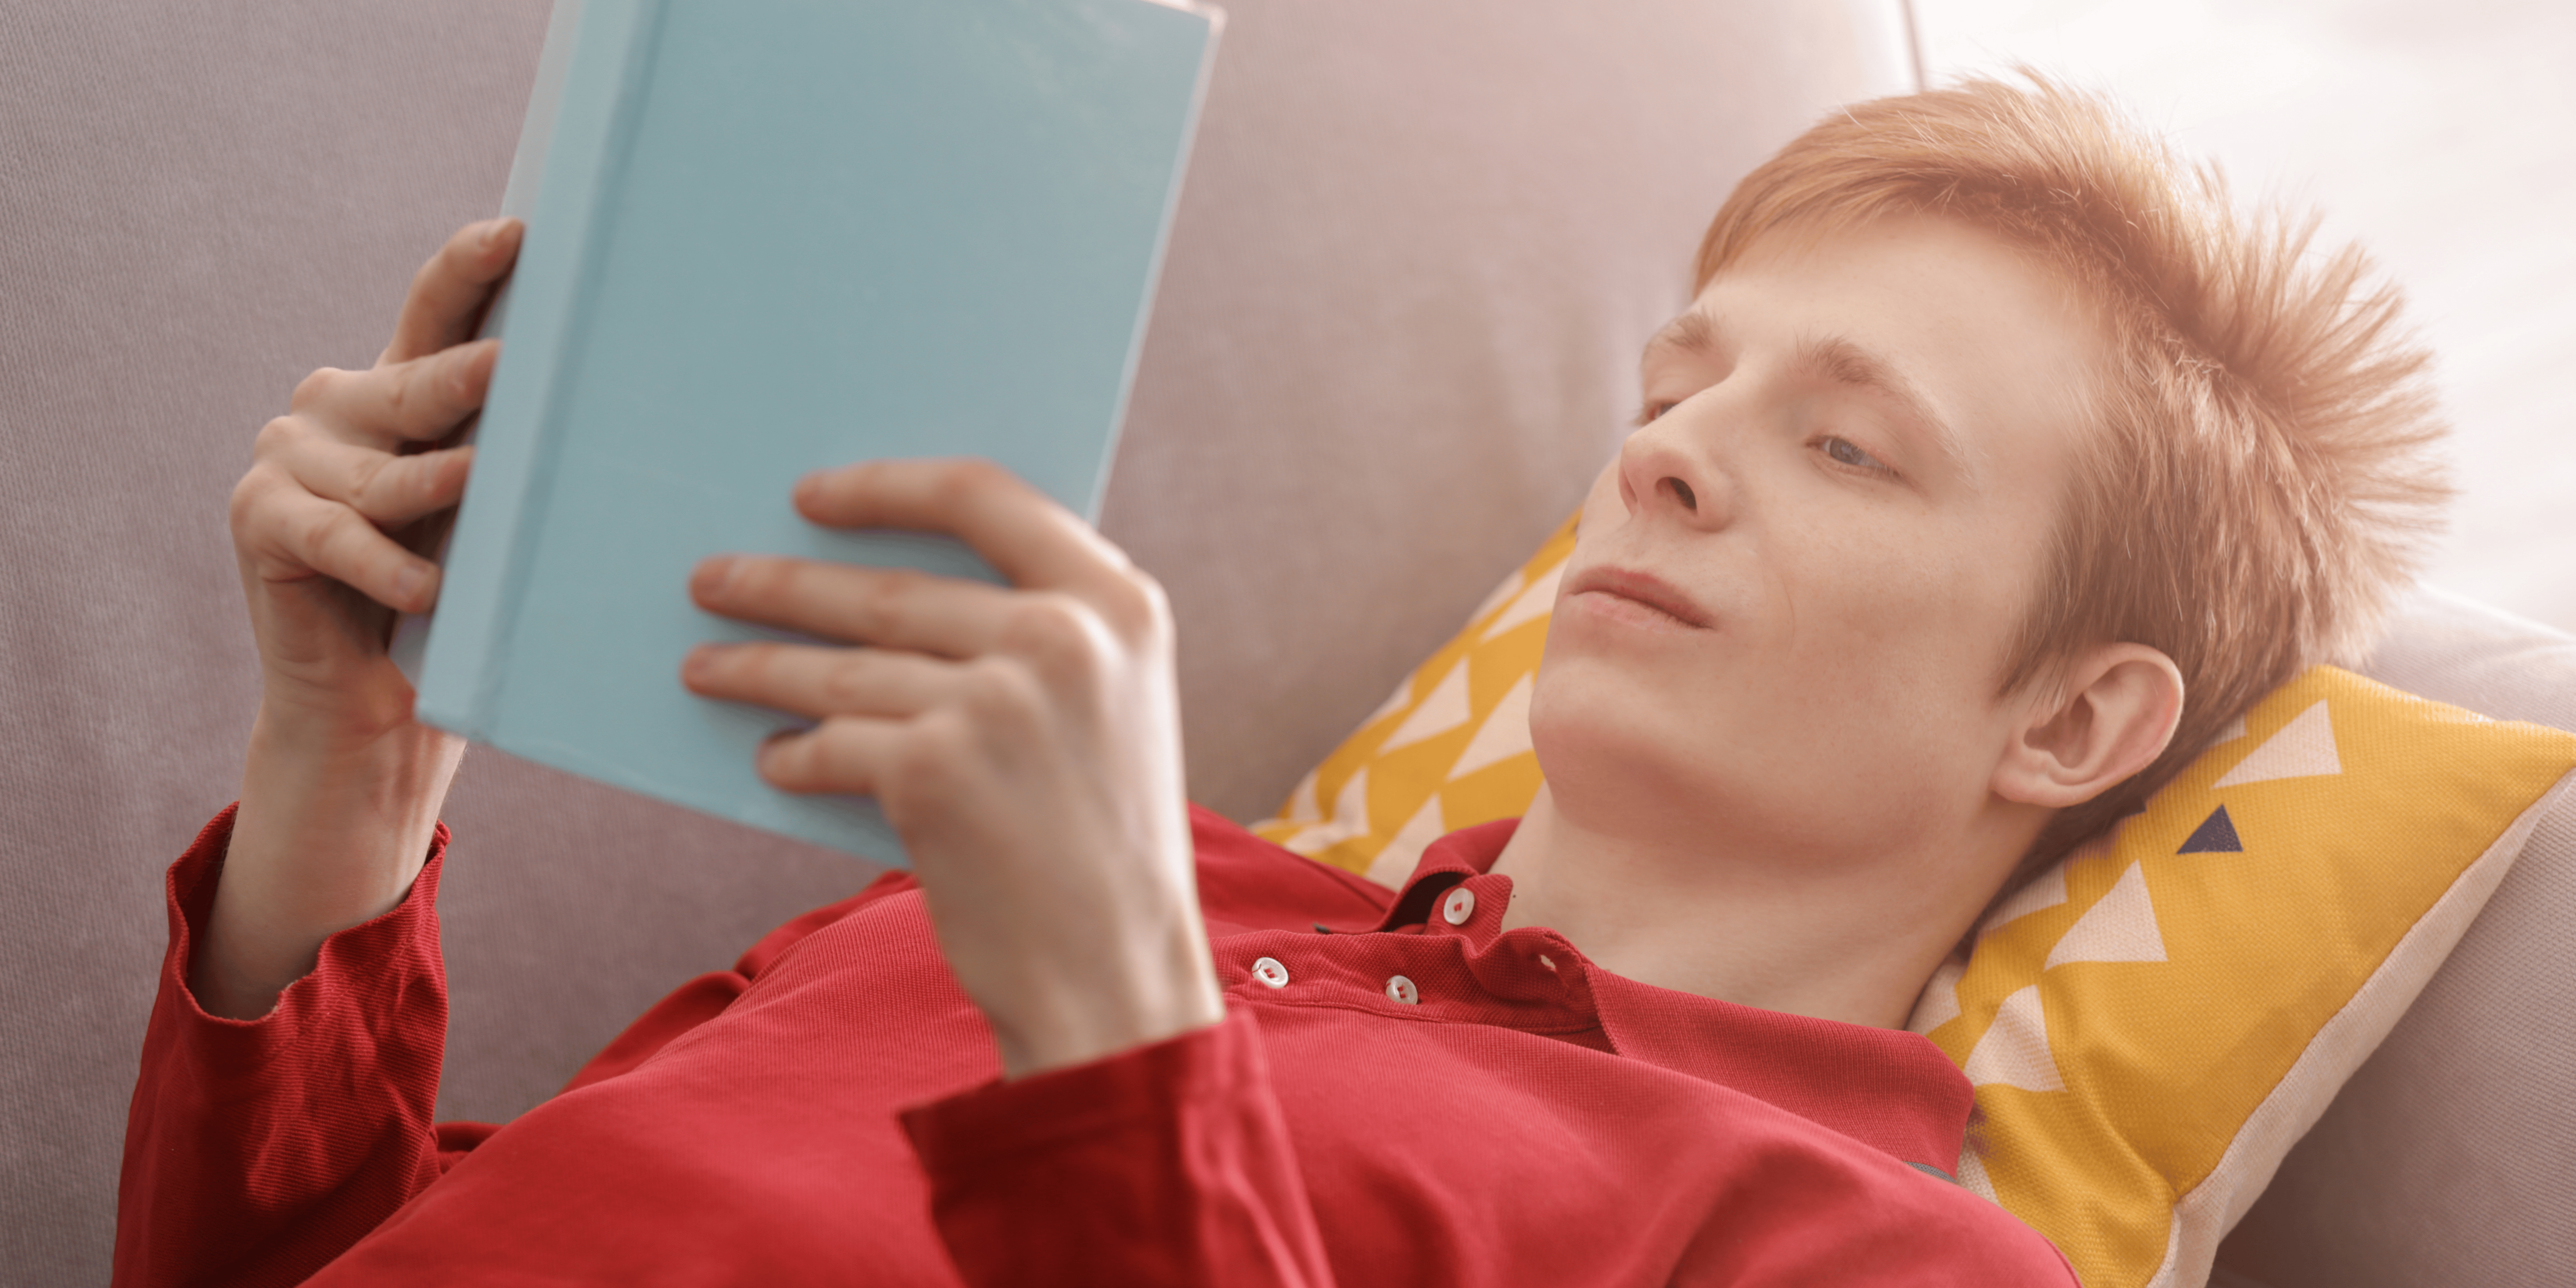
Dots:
pixel 1992 469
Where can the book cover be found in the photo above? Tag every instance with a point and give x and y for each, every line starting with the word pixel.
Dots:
pixel 767 237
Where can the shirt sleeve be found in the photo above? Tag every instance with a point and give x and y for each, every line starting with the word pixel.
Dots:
pixel 258 1150
pixel 1166 1165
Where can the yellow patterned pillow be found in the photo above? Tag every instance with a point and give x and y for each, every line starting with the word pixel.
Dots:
pixel 1450 749
pixel 2153 1022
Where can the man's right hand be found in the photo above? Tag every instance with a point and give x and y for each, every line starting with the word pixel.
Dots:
pixel 341 788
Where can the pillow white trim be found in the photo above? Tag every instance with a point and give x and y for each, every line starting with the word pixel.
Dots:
pixel 2204 1216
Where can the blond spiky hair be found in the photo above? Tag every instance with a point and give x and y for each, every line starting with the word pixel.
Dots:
pixel 2260 481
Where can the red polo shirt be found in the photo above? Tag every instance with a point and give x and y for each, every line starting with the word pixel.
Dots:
pixel 1414 1097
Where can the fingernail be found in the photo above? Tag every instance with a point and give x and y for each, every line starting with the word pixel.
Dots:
pixel 492 232
pixel 407 582
pixel 714 574
pixel 808 488
pixel 700 660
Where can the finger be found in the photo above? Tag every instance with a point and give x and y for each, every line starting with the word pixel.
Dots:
pixel 1022 532
pixel 845 754
pixel 390 490
pixel 422 400
pixel 816 682
pixel 448 293
pixel 890 607
pixel 294 529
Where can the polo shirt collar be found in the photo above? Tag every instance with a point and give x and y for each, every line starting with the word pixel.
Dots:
pixel 1887 1088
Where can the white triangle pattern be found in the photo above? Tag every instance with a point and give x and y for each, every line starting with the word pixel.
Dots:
pixel 1302 807
pixel 2014 1051
pixel 1532 603
pixel 1394 865
pixel 2235 729
pixel 1350 818
pixel 2303 748
pixel 1504 734
pixel 1444 709
pixel 2047 890
pixel 1940 1001
pixel 1972 1174
pixel 1511 586
pixel 2120 928
pixel 1395 702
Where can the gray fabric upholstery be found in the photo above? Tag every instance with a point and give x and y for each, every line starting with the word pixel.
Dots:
pixel 2450 1157
pixel 1419 248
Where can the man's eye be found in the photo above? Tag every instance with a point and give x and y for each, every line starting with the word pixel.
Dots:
pixel 1846 452
pixel 1653 411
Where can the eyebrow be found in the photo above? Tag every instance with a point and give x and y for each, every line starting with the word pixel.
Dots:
pixel 1838 361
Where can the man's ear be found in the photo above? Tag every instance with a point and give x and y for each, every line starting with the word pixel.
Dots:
pixel 2110 718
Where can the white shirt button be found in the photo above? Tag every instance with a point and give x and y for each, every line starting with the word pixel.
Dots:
pixel 1269 971
pixel 1459 906
pixel 1402 990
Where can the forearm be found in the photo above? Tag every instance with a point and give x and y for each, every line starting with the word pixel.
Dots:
pixel 342 787
pixel 331 832
pixel 1138 981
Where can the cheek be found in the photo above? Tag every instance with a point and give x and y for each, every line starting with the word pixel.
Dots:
pixel 1888 614
pixel 1881 671
pixel 1896 649
pixel 1846 703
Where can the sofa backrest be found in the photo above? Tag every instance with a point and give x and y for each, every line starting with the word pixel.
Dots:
pixel 1419 248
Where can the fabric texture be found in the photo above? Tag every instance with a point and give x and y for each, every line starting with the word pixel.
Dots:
pixel 2153 1023
pixel 2445 1159
pixel 1412 236
pixel 1404 1098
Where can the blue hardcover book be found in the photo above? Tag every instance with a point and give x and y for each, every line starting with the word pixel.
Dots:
pixel 767 237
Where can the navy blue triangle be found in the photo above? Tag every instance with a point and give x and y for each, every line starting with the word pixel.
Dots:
pixel 2215 835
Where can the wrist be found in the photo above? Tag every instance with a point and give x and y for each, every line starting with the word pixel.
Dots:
pixel 1156 996
pixel 331 832
pixel 358 791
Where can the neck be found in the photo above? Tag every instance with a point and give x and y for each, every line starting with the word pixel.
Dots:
pixel 1848 942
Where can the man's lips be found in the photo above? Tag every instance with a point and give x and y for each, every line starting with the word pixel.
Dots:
pixel 1642 588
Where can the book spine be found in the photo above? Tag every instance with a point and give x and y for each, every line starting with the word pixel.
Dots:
pixel 410 643
pixel 545 103
pixel 1211 21
pixel 462 661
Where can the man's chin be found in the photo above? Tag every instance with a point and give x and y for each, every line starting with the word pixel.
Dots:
pixel 1606 715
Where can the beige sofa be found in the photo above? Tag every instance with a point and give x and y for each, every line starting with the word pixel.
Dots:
pixel 1420 245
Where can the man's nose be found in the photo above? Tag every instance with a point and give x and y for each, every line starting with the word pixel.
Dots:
pixel 1668 472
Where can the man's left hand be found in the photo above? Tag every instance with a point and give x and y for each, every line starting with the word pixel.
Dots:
pixel 1024 741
